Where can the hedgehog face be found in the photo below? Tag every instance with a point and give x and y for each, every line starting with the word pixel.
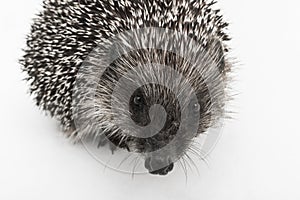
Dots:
pixel 161 161
pixel 164 143
pixel 168 108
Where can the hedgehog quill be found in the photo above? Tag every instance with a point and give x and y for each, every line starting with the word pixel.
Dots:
pixel 147 77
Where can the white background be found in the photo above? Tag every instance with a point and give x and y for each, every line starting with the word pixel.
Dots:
pixel 256 158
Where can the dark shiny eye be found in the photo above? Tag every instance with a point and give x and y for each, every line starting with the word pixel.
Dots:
pixel 196 107
pixel 137 100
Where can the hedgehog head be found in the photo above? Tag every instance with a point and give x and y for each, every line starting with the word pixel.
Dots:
pixel 152 101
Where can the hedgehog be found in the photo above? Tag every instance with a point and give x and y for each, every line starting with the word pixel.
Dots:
pixel 108 69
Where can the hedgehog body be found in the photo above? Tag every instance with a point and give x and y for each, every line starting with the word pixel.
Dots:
pixel 67 31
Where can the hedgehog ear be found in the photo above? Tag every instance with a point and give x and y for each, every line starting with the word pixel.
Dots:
pixel 216 50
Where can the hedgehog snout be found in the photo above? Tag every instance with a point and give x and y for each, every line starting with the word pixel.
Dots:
pixel 158 165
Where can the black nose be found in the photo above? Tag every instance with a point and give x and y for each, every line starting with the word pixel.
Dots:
pixel 158 166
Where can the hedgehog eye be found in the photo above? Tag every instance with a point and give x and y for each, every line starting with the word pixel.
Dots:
pixel 196 107
pixel 137 100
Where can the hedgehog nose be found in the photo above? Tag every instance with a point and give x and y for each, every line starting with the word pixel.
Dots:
pixel 158 166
